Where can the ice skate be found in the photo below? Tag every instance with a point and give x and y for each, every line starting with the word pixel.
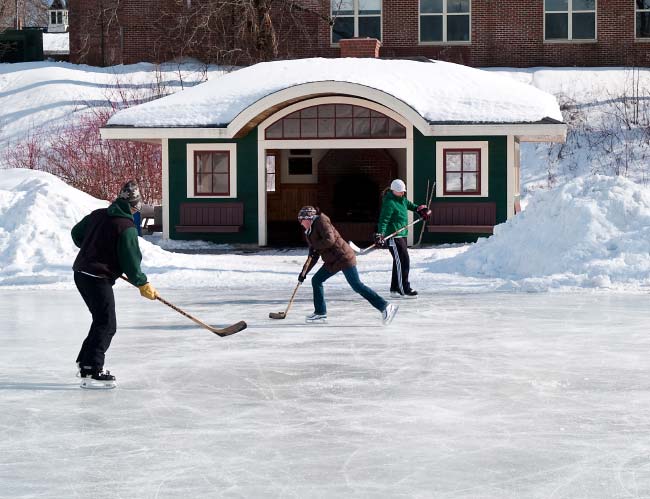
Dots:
pixel 410 294
pixel 97 380
pixel 388 314
pixel 316 318
pixel 396 294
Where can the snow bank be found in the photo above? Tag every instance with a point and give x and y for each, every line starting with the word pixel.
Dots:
pixel 56 43
pixel 438 91
pixel 591 232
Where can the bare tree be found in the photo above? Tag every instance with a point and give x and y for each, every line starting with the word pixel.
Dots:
pixel 16 14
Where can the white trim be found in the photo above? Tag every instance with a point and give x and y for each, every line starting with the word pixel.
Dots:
pixel 440 186
pixel 191 149
pixel 534 132
pixel 165 188
pixel 510 172
pixel 409 188
pixel 638 11
pixel 134 133
pixel 287 178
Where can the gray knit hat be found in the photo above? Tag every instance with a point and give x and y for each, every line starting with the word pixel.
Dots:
pixel 307 213
pixel 131 194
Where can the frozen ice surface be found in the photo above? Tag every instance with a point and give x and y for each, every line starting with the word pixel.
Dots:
pixel 465 395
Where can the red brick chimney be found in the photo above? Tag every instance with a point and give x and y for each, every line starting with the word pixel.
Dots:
pixel 360 47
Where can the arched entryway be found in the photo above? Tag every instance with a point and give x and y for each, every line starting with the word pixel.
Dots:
pixel 338 153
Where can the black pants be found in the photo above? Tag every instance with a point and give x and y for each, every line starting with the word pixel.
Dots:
pixel 98 295
pixel 401 263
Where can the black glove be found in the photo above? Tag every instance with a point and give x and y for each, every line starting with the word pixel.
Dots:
pixel 301 277
pixel 380 242
pixel 423 211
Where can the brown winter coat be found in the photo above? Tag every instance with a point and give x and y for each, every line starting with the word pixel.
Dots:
pixel 328 243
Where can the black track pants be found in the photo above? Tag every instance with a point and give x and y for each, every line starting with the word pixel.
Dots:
pixel 98 295
pixel 401 263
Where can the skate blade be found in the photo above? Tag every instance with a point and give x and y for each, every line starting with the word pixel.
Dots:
pixel 317 321
pixel 93 384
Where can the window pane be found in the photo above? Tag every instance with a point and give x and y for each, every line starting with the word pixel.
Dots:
pixel 203 163
pixel 220 162
pixel 344 127
pixel 203 184
pixel 370 27
pixel 310 112
pixel 642 4
pixel 454 6
pixel 379 127
pixel 343 28
pixel 343 110
pixel 59 17
pixel 584 26
pixel 453 163
pixel 584 5
pixel 291 129
pixel 470 162
pixel 395 130
pixel 369 7
pixel 53 17
pixel 308 128
pixel 300 166
pixel 342 7
pixel 470 182
pixel 431 6
pixel 556 5
pixel 270 183
pixel 458 28
pixel 557 26
pixel 326 111
pixel 270 164
pixel 362 127
pixel 643 25
pixel 274 131
pixel 431 28
pixel 360 112
pixel 220 183
pixel 326 128
pixel 453 182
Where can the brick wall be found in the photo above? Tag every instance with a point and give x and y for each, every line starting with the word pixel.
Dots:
pixel 504 33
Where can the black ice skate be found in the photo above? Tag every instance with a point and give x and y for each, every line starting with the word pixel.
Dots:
pixel 96 379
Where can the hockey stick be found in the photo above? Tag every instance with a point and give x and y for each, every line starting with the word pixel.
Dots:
pixel 226 331
pixel 283 315
pixel 356 248
pixel 429 199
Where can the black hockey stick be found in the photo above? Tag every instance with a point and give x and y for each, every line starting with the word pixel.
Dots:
pixel 356 248
pixel 429 199
pixel 225 331
pixel 283 315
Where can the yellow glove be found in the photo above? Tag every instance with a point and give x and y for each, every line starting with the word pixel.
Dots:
pixel 148 291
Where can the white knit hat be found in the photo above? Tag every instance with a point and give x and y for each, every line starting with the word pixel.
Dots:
pixel 398 185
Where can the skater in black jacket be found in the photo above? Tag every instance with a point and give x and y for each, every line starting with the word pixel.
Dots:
pixel 108 242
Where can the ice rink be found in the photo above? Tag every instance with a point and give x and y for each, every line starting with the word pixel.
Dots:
pixel 488 395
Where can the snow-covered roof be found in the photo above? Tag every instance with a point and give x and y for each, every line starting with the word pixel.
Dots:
pixel 440 92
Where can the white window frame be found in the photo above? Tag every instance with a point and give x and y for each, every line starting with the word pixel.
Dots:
pixel 440 148
pixel 636 11
pixel 211 147
pixel 356 17
pixel 287 178
pixel 444 14
pixel 569 14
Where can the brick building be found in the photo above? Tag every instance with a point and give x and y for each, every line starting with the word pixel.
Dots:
pixel 474 32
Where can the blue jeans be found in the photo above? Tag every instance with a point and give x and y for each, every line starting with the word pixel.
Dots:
pixel 352 276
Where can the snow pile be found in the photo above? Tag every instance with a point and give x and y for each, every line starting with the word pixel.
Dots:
pixel 591 232
pixel 438 91
pixel 56 43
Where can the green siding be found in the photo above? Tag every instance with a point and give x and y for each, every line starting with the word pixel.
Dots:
pixel 246 189
pixel 424 159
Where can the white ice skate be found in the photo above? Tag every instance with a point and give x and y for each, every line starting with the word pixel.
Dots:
pixel 388 314
pixel 316 318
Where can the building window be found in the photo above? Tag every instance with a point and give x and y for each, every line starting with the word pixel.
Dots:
pixel 462 171
pixel 570 19
pixel 212 173
pixel 356 19
pixel 462 168
pixel 59 17
pixel 211 170
pixel 336 121
pixel 300 162
pixel 643 18
pixel 53 17
pixel 445 21
pixel 271 173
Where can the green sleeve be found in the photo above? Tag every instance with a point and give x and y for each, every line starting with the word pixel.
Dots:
pixel 384 216
pixel 411 206
pixel 79 231
pixel 128 252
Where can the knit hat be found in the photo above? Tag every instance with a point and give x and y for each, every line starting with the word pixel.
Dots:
pixel 398 185
pixel 307 213
pixel 131 194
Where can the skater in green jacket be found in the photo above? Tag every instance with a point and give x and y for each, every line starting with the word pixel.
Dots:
pixel 394 216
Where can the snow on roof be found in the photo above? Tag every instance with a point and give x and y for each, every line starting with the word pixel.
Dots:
pixel 440 92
